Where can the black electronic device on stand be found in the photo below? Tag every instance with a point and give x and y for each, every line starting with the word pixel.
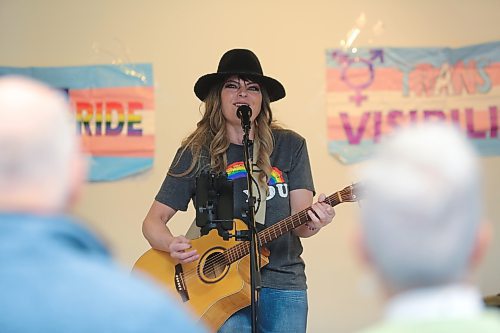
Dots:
pixel 214 203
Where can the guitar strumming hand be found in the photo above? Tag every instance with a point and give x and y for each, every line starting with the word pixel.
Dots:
pixel 180 248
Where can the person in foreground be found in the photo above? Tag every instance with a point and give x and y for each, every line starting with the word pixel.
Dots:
pixel 216 145
pixel 55 275
pixel 423 233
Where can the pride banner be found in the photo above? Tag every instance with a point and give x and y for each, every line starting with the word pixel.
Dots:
pixel 375 90
pixel 114 113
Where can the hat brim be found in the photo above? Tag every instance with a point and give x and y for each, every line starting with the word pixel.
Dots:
pixel 273 87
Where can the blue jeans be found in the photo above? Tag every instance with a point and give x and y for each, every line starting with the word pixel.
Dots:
pixel 278 311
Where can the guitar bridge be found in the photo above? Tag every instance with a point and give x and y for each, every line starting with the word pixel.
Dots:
pixel 179 283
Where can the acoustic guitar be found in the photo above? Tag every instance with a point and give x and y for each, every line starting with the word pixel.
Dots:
pixel 218 284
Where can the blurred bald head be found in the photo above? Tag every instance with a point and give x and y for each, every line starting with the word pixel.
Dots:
pixel 40 161
pixel 423 206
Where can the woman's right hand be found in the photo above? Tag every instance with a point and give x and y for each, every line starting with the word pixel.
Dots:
pixel 179 249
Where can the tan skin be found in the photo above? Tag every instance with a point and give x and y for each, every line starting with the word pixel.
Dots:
pixel 235 92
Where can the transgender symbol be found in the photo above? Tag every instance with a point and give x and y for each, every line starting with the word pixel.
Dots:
pixel 346 62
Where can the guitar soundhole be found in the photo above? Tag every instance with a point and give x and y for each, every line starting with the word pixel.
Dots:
pixel 213 267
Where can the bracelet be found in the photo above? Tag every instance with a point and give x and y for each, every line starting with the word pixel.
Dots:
pixel 310 228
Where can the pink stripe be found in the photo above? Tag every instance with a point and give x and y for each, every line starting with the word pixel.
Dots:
pixel 124 95
pixel 124 146
pixel 493 72
pixel 421 80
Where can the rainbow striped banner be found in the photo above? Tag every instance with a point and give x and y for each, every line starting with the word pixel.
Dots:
pixel 375 90
pixel 114 111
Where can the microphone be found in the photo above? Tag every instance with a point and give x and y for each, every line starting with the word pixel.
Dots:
pixel 244 112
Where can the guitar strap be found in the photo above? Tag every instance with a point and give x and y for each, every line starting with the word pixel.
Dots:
pixel 260 215
pixel 263 190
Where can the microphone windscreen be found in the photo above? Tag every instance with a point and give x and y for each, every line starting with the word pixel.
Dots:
pixel 243 109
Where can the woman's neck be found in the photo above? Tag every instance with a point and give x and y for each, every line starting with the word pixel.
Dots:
pixel 235 134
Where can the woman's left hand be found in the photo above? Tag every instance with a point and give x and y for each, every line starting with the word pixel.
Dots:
pixel 321 214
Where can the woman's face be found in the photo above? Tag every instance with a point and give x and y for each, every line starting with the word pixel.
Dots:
pixel 236 92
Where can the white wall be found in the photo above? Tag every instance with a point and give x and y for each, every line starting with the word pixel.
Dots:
pixel 185 39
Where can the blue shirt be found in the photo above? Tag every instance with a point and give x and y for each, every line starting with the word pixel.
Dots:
pixel 55 276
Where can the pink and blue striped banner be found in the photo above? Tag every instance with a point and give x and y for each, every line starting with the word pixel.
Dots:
pixel 375 90
pixel 114 111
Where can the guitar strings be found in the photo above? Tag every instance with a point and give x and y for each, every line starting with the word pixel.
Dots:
pixel 222 259
pixel 243 248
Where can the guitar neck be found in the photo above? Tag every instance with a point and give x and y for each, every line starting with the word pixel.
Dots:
pixel 278 229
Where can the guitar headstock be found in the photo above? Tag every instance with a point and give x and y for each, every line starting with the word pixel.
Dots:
pixel 351 193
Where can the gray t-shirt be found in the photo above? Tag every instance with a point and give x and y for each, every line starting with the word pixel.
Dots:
pixel 291 171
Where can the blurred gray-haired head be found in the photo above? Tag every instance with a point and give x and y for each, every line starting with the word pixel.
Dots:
pixel 38 146
pixel 422 206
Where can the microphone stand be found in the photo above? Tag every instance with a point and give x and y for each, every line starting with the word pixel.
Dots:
pixel 252 234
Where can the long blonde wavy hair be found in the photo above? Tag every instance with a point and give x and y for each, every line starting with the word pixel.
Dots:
pixel 210 136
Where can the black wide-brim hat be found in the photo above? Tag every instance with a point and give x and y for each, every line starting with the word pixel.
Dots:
pixel 239 62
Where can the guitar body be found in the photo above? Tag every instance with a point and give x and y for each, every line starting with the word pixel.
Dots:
pixel 210 286
pixel 218 283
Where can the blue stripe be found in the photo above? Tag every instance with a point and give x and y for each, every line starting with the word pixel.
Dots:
pixel 85 77
pixel 407 58
pixel 237 175
pixel 349 154
pixel 114 168
pixel 488 147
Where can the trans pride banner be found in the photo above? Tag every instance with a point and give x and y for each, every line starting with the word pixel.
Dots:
pixel 114 113
pixel 375 90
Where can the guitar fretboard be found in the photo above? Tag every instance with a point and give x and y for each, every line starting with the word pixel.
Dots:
pixel 276 230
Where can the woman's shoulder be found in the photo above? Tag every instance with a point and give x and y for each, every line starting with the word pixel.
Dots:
pixel 183 160
pixel 287 135
pixel 185 152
